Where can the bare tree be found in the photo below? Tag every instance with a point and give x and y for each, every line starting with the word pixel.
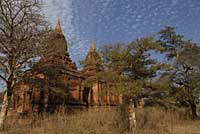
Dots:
pixel 23 39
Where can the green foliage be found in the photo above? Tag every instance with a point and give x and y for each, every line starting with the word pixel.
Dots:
pixel 171 41
pixel 189 55
pixel 184 57
pixel 129 67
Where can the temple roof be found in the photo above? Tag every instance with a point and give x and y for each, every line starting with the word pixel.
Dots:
pixel 92 63
pixel 58 42
pixel 58 28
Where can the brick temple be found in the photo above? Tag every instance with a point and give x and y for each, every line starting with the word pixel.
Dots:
pixel 55 82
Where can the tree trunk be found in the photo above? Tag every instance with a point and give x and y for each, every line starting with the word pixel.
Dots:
pixel 132 117
pixel 193 110
pixel 4 110
pixel 7 98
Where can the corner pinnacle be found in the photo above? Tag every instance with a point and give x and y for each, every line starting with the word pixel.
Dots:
pixel 58 27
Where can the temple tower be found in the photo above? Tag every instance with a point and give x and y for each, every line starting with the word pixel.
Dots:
pixel 92 66
pixel 59 46
pixel 58 41
pixel 92 63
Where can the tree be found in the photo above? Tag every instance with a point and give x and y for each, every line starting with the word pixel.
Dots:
pixel 184 59
pixel 131 66
pixel 23 34
pixel 128 69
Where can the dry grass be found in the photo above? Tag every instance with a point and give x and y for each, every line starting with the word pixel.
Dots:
pixel 104 121
pixel 161 121
pixel 93 121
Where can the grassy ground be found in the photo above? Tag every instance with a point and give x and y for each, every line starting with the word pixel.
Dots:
pixel 161 121
pixel 104 121
pixel 93 121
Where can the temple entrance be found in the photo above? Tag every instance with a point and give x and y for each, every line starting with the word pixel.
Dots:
pixel 86 93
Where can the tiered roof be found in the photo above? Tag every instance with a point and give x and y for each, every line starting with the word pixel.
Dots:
pixel 93 63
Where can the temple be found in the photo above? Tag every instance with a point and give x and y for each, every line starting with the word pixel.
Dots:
pixel 55 82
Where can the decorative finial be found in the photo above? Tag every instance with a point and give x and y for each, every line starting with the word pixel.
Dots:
pixel 93 46
pixel 58 27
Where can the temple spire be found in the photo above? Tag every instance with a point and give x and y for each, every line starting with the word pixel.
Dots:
pixel 92 49
pixel 58 27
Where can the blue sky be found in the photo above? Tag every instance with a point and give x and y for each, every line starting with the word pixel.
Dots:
pixel 110 21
